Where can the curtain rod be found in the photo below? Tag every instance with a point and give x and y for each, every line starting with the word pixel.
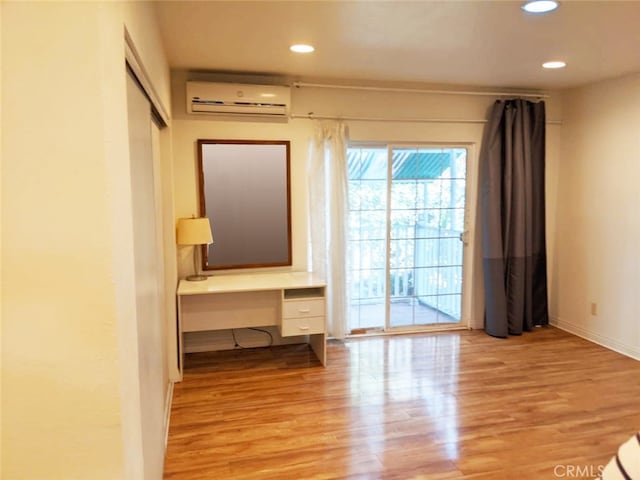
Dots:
pixel 417 90
pixel 313 116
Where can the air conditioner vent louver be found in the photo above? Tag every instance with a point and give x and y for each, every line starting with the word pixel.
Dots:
pixel 237 99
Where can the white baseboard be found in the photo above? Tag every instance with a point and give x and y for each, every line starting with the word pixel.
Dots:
pixel 611 343
pixel 167 413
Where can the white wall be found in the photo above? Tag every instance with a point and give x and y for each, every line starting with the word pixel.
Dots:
pixel 1 271
pixel 70 375
pixel 598 224
pixel 188 128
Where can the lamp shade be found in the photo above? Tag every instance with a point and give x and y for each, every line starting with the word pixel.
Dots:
pixel 194 231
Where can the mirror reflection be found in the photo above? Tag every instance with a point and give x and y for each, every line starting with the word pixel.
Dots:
pixel 245 192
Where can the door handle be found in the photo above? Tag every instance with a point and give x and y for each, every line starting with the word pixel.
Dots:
pixel 464 237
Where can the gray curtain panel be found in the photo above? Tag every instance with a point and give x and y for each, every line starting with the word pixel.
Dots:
pixel 512 169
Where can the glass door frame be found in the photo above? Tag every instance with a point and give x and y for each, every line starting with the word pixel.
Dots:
pixel 467 238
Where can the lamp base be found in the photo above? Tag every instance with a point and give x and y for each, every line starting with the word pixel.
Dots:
pixel 197 278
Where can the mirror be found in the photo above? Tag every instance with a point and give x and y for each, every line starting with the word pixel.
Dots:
pixel 245 192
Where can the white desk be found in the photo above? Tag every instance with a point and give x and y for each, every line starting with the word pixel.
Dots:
pixel 294 302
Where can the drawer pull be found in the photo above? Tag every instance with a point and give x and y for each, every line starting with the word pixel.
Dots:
pixel 303 328
pixel 304 310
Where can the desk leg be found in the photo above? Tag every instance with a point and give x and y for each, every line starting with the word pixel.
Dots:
pixel 177 348
pixel 319 346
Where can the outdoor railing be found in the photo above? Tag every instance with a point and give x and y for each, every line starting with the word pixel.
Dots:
pixel 426 268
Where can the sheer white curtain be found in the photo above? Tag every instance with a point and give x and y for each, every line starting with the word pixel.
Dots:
pixel 328 217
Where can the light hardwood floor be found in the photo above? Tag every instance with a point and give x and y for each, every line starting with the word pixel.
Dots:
pixel 465 405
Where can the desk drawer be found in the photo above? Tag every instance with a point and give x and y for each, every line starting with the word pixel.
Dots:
pixel 302 326
pixel 303 308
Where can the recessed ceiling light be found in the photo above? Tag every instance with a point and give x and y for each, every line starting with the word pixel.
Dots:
pixel 540 6
pixel 301 48
pixel 554 64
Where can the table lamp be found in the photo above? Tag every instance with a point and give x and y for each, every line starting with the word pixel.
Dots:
pixel 194 231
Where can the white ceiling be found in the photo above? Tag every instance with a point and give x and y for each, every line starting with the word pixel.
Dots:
pixel 479 43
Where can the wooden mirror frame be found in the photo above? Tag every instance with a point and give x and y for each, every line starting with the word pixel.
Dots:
pixel 244 244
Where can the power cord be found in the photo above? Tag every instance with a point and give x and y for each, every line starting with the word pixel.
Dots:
pixel 264 331
pixel 235 340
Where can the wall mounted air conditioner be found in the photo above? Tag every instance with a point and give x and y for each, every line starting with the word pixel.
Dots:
pixel 238 99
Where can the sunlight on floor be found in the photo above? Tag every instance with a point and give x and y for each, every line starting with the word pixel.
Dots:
pixel 386 386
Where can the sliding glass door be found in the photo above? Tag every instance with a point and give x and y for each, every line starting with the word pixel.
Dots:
pixel 367 238
pixel 405 234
